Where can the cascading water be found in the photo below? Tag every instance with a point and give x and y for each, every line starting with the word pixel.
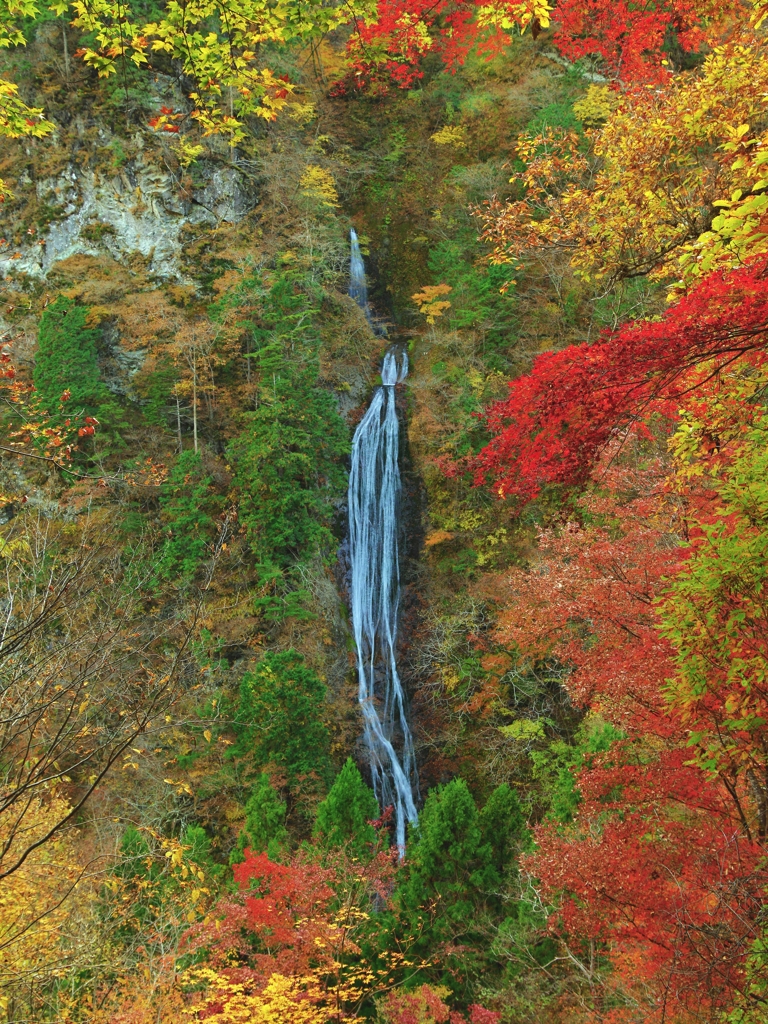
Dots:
pixel 357 286
pixel 374 499
pixel 374 505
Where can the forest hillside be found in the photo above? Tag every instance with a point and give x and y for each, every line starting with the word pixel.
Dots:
pixel 384 511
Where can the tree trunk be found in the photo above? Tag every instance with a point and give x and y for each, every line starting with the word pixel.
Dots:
pixel 66 52
pixel 194 400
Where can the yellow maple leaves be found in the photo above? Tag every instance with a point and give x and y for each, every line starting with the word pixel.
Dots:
pixel 451 135
pixel 501 14
pixel 36 899
pixel 596 107
pixel 429 302
pixel 318 184
pixel 641 201
pixel 282 1001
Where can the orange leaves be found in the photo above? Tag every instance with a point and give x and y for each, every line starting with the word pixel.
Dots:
pixel 90 427
pixel 32 432
pixel 166 121
pixel 427 1005
pixel 295 930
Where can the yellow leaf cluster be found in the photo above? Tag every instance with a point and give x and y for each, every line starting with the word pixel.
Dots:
pixel 282 1001
pixel 451 135
pixel 316 183
pixel 641 201
pixel 501 14
pixel 429 303
pixel 36 899
pixel 597 106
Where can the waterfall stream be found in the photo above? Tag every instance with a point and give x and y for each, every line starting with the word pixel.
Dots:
pixel 374 506
pixel 358 289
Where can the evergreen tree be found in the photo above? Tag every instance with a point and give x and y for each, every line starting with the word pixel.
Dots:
pixel 264 829
pixel 279 719
pixel 454 874
pixel 289 461
pixel 288 468
pixel 199 853
pixel 343 817
pixel 67 358
pixel 502 826
pixel 446 866
pixel 189 507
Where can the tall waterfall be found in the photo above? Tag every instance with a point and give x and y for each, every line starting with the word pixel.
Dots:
pixel 357 286
pixel 374 500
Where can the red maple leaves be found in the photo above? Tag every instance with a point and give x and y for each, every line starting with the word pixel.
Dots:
pixel 628 38
pixel 559 417
pixel 657 866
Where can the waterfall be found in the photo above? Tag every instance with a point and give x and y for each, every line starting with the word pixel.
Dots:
pixel 374 500
pixel 357 286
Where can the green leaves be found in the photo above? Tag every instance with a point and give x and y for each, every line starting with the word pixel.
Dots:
pixel 714 611
pixel 264 830
pixel 67 358
pixel 189 507
pixel 289 460
pixel 279 718
pixel 343 818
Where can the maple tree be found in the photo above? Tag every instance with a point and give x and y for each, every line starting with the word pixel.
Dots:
pixel 389 45
pixel 426 1005
pixel 560 417
pixel 643 199
pixel 31 431
pixel 657 850
pixel 629 38
pixel 292 937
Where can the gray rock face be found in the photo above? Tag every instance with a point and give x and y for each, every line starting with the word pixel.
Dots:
pixel 227 195
pixel 138 209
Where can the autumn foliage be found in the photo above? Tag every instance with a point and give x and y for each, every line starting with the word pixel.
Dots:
pixel 291 938
pixel 186 829
pixel 560 417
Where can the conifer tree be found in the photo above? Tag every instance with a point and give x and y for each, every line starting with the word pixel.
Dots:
pixel 289 459
pixel 279 719
pixel 264 830
pixel 188 510
pixel 289 466
pixel 343 818
pixel 67 358
pixel 446 864
pixel 199 852
pixel 502 826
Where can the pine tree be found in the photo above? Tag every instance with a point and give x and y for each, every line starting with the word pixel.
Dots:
pixel 446 864
pixel 189 507
pixel 67 358
pixel 279 719
pixel 502 826
pixel 343 817
pixel 289 459
pixel 264 829
pixel 199 851
pixel 289 466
